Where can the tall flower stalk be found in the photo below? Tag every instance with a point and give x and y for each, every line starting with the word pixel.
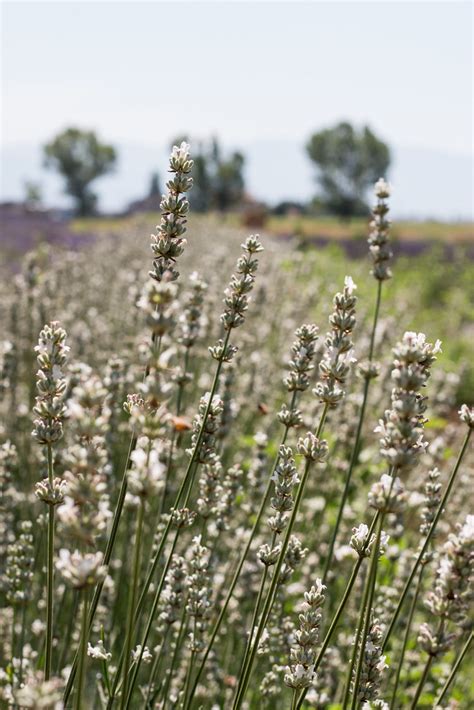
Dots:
pixel 49 409
pixel 362 541
pixel 167 245
pixel 448 602
pixel 333 369
pixel 467 416
pixel 81 572
pixel 381 255
pixel 297 381
pixel 401 445
pixel 300 672
pixel 432 501
pixel 200 607
pixel 236 303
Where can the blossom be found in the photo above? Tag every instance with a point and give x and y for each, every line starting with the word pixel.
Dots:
pixel 382 188
pixel 98 651
pixel 349 284
pixel 81 570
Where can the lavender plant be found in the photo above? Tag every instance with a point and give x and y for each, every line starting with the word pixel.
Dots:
pixel 252 527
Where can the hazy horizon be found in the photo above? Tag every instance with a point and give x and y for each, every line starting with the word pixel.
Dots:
pixel 262 76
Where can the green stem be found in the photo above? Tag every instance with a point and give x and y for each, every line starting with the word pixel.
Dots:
pixel 454 670
pixel 82 653
pixel 113 533
pixel 422 552
pixel 177 648
pixel 132 598
pixel 107 556
pixel 405 638
pixel 421 684
pixel 376 317
pixel 347 483
pixel 151 618
pixel 105 669
pixel 69 630
pixel 276 574
pixel 184 484
pixel 22 643
pixel 189 672
pixel 13 636
pixel 169 465
pixel 334 622
pixel 347 690
pixel 355 449
pixel 241 562
pixel 50 574
pixel 294 699
pixel 367 605
pixel 156 665
pixel 256 611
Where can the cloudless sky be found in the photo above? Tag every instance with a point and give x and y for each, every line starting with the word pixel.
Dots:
pixel 143 72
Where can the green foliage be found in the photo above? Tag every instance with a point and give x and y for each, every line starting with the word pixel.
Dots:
pixel 80 158
pixel 348 162
pixel 218 179
pixel 155 187
pixel 33 194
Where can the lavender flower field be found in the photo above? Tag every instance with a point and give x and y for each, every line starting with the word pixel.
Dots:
pixel 235 474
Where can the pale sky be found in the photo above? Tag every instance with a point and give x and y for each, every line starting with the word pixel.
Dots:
pixel 142 72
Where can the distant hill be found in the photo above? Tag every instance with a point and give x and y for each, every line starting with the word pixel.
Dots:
pixel 428 184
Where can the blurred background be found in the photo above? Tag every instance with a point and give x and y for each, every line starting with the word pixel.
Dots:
pixel 293 110
pixel 260 78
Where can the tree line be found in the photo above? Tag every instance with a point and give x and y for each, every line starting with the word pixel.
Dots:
pixel 347 161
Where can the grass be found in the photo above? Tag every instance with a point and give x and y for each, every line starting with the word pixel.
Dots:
pixel 331 228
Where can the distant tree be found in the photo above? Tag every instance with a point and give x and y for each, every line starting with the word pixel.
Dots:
pixel 348 162
pixel 155 187
pixel 33 194
pixel 201 194
pixel 80 158
pixel 229 182
pixel 218 180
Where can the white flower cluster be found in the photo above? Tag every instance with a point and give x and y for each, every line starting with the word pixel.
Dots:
pixel 157 303
pixel 466 414
pixel 373 665
pixel 432 500
pixel 361 543
pixel 144 657
pixel 208 418
pixel 52 354
pixel 379 233
pixel 402 426
pixel 300 672
pixel 285 478
pixel 387 494
pixel 199 603
pixel 192 320
pixel 146 477
pixel 455 575
pixel 174 591
pixel 337 359
pixel 81 570
pixel 236 299
pixel 85 511
pixel 19 565
pixel 230 489
pixel 168 244
pixel 302 356
pixel 98 652
pixel 40 693
pixel 209 488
